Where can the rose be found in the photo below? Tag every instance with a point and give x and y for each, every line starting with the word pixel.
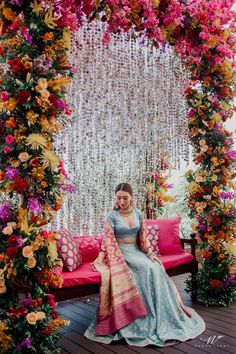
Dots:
pixel 47 331
pixel 41 315
pixel 32 318
pixel 8 230
pixel 23 156
pixel 28 251
pixel 6 149
pixel 9 139
pixel 4 95
pixel 31 262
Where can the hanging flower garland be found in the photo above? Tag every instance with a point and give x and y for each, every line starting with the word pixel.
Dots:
pixel 35 70
pixel 155 191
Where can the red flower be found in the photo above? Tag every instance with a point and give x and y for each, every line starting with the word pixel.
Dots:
pixel 198 195
pixel 37 302
pixel 23 96
pixel 20 184
pixel 54 315
pixel 1 50
pixel 216 221
pixel 12 238
pixel 47 331
pixel 18 311
pixel 51 300
pixel 16 65
pixel 215 283
pixel 207 189
pixel 11 252
pixel 35 162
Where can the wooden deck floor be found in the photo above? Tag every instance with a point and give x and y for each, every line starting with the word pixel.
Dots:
pixel 220 325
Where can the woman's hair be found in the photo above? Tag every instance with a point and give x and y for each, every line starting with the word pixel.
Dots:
pixel 126 187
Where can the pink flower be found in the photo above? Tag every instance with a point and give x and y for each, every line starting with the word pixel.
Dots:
pixel 4 95
pixel 6 149
pixel 9 139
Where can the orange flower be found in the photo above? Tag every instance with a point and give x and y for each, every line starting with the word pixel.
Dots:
pixel 48 36
pixel 43 184
pixel 31 262
pixel 27 251
pixel 206 254
pixel 10 123
pixel 23 156
pixel 221 256
pixel 1 175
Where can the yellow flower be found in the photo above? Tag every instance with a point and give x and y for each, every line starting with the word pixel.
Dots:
pixel 50 159
pixel 10 104
pixel 42 84
pixel 66 38
pixel 216 117
pixel 31 262
pixel 52 250
pixel 32 116
pixel 214 178
pixel 38 173
pixel 28 252
pixel 49 19
pixel 9 14
pixel 212 42
pixel 36 141
pixel 193 187
pixel 36 8
pixel 32 318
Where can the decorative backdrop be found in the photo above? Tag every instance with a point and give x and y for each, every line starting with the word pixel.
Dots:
pixel 128 104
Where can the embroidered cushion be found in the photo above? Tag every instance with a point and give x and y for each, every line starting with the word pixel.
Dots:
pixel 153 235
pixel 68 250
pixel 89 247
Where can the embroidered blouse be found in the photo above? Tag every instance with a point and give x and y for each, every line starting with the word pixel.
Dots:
pixel 119 226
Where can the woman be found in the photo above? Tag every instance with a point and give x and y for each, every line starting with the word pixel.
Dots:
pixel 138 301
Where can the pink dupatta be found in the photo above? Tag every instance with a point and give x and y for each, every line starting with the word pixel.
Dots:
pixel 120 302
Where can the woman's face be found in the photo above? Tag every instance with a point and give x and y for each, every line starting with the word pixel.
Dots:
pixel 123 200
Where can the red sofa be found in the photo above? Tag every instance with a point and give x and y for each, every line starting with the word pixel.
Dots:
pixel 86 281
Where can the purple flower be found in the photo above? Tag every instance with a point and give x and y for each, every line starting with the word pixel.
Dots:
pixel 5 212
pixel 42 63
pixel 229 280
pixel 227 195
pixel 19 242
pixel 34 205
pixel 25 343
pixel 27 301
pixel 202 227
pixel 67 187
pixel 26 35
pixel 232 154
pixel 11 173
pixel 16 2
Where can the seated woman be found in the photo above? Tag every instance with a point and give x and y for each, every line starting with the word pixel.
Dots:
pixel 138 301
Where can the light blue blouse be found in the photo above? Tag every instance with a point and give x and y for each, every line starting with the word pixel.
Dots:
pixel 119 226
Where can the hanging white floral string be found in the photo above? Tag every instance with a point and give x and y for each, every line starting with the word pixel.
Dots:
pixel 127 100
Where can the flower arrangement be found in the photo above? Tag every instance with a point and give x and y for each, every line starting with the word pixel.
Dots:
pixel 35 38
pixel 155 192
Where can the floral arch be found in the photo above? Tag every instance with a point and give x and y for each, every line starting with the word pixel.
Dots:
pixel 35 69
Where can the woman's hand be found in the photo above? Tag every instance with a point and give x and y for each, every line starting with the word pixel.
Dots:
pixel 154 258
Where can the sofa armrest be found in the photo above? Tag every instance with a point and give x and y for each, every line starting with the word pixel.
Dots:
pixel 191 241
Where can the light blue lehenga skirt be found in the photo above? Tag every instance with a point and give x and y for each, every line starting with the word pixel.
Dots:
pixel 166 323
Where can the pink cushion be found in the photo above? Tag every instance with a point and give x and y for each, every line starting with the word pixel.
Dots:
pixel 174 260
pixel 83 275
pixel 68 250
pixel 89 247
pixel 168 240
pixel 153 235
